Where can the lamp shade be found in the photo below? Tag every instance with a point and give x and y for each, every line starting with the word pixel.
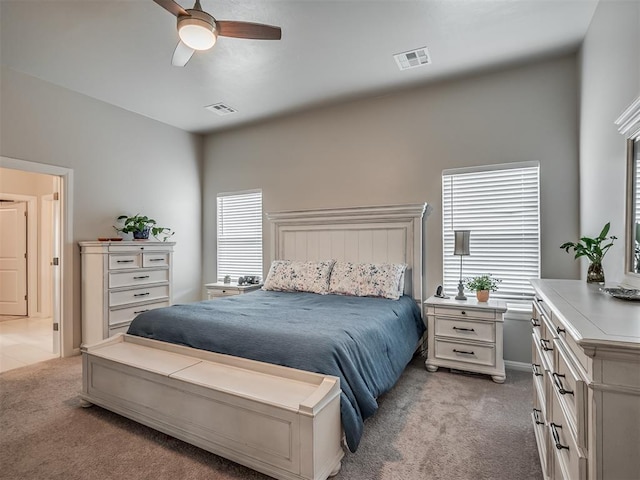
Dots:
pixel 197 31
pixel 461 242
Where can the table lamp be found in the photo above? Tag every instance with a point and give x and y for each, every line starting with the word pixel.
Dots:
pixel 461 247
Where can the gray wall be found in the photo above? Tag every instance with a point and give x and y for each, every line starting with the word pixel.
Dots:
pixel 610 82
pixel 392 149
pixel 122 163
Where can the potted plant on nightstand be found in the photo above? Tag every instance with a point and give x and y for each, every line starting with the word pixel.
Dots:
pixel 593 249
pixel 482 285
pixel 141 226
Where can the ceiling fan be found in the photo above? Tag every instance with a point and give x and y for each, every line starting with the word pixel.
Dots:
pixel 199 31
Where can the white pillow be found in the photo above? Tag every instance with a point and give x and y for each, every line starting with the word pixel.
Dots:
pixel 294 276
pixel 368 279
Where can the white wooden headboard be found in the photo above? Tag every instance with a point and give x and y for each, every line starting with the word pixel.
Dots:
pixel 391 234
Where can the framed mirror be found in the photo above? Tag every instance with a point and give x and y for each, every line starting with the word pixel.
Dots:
pixel 629 126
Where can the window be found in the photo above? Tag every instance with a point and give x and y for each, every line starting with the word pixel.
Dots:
pixel 500 206
pixel 239 234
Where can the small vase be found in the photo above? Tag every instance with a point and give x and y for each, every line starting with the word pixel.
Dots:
pixel 141 234
pixel 595 274
pixel 482 296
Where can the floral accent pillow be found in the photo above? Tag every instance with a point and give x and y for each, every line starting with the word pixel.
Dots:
pixel 368 279
pixel 293 276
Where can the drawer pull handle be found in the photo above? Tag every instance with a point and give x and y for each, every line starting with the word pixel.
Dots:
pixel 534 322
pixel 463 352
pixel 124 261
pixel 559 385
pixel 536 416
pixel 141 294
pixel 156 259
pixel 556 436
pixel 141 277
pixel 560 330
pixel 141 311
pixel 536 372
pixel 544 343
pixel 464 329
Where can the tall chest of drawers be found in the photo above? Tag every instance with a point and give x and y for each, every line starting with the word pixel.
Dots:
pixel 586 378
pixel 121 280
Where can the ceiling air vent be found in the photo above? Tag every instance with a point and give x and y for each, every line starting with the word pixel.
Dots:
pixel 221 109
pixel 412 58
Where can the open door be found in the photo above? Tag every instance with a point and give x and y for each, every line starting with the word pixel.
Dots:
pixel 13 258
pixel 50 264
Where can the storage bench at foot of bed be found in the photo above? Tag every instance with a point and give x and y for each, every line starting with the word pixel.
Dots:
pixel 280 421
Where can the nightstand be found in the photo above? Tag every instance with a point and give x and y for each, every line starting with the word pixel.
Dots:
pixel 219 289
pixel 465 335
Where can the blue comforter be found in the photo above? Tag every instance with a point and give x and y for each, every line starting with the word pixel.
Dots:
pixel 366 342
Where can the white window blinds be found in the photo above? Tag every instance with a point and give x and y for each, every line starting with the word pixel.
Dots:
pixel 500 206
pixel 239 234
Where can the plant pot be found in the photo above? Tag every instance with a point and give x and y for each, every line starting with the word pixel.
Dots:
pixel 141 234
pixel 482 296
pixel 595 274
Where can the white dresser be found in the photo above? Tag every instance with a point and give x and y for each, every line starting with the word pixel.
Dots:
pixel 586 377
pixel 121 280
pixel 466 335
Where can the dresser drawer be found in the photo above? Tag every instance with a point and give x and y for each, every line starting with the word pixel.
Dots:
pixel 465 329
pixel 570 389
pixel 465 352
pixel 568 461
pixel 539 371
pixel 119 262
pixel 155 260
pixel 139 277
pixel 124 297
pixel 541 431
pixel 122 328
pixel 464 312
pixel 126 315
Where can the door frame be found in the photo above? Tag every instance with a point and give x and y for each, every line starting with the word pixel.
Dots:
pixel 66 287
pixel 32 248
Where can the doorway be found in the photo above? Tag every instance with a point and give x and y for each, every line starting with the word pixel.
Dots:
pixel 29 267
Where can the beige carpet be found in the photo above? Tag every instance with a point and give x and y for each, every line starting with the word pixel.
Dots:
pixel 430 426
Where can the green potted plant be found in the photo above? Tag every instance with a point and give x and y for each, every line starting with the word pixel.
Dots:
pixel 594 250
pixel 141 226
pixel 482 285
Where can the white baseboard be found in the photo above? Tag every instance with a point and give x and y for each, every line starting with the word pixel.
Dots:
pixel 524 367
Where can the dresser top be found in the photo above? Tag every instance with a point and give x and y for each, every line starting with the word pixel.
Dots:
pixel 591 316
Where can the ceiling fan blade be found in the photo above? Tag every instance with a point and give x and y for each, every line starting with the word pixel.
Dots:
pixel 172 7
pixel 257 31
pixel 181 55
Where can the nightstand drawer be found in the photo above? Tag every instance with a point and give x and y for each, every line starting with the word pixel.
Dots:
pixel 138 295
pixel 466 352
pixel 127 279
pixel 464 312
pixel 466 329
pixel 221 293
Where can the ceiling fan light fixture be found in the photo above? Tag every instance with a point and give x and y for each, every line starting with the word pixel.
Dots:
pixel 196 32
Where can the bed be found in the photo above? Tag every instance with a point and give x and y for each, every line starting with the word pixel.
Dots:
pixel 361 344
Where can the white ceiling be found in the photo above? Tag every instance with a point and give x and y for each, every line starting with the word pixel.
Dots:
pixel 120 51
